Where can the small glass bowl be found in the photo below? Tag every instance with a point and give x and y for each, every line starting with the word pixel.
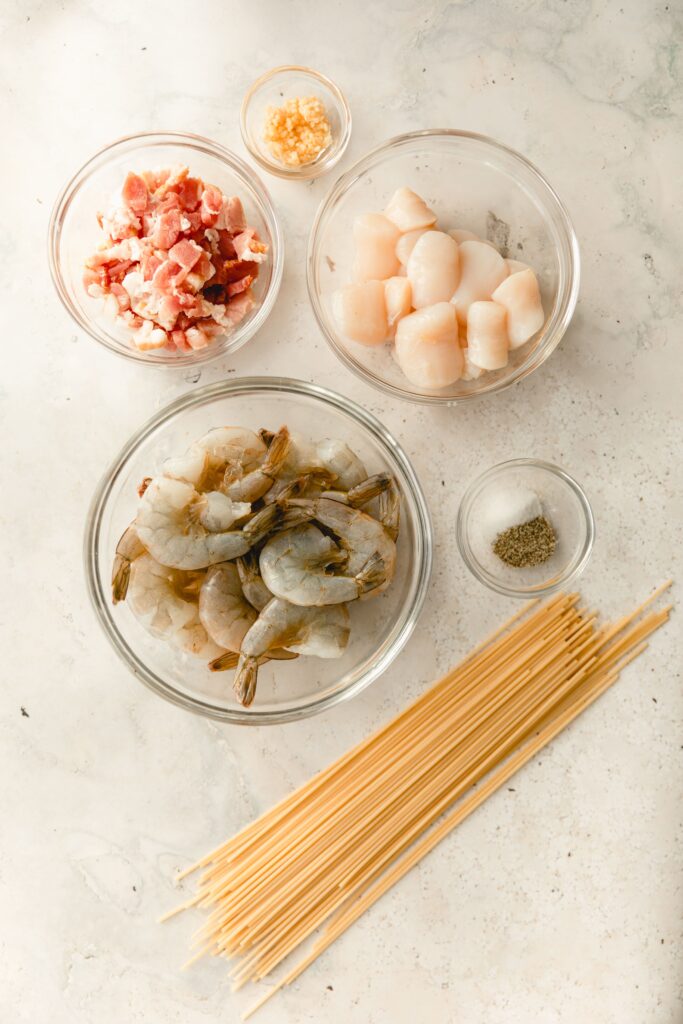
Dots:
pixel 564 504
pixel 380 626
pixel 471 182
pixel 272 90
pixel 74 234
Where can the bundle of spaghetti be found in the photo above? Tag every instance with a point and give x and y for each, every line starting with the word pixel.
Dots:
pixel 324 854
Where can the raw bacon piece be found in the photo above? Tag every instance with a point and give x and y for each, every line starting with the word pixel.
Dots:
pixel 122 296
pixel 212 203
pixel 134 193
pixel 226 246
pixel 239 307
pixel 190 193
pixel 237 287
pixel 248 247
pixel 231 218
pixel 167 229
pixel 186 253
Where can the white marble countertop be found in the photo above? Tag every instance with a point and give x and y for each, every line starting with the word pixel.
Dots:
pixel 560 900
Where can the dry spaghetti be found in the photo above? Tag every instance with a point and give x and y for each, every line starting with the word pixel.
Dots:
pixel 325 854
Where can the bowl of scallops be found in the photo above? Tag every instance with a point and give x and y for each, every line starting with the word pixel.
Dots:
pixel 443 267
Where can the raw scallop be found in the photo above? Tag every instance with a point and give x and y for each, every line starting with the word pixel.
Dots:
pixel 398 297
pixel 427 348
pixel 433 268
pixel 408 211
pixel 375 239
pixel 482 269
pixel 521 297
pixel 487 336
pixel 361 312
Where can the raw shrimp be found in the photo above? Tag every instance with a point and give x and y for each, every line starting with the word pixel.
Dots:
pixel 253 485
pixel 305 567
pixel 375 239
pixel 363 492
pixel 487 335
pixel 165 602
pixel 185 529
pixel 321 632
pixel 224 611
pixel 128 549
pixel 408 211
pixel 521 297
pixel 361 313
pixel 205 462
pixel 427 346
pixel 357 533
pixel 433 269
pixel 330 456
pixel 253 587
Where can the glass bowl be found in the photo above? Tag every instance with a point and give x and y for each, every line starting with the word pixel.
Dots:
pixel 471 182
pixel 564 504
pixel 74 234
pixel 272 90
pixel 379 627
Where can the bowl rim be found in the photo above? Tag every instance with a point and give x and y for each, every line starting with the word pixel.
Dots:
pixel 210 148
pixel 554 330
pixel 336 150
pixel 574 567
pixel 99 595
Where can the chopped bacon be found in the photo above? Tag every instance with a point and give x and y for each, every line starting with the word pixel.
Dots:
pixel 150 263
pixel 225 245
pixel 237 287
pixel 231 218
pixel 167 229
pixel 190 193
pixel 186 253
pixel 134 193
pixel 197 338
pixel 212 202
pixel 239 307
pixel 180 341
pixel 177 261
pixel 169 308
pixel 248 247
pixel 164 276
pixel 117 271
pixel 122 296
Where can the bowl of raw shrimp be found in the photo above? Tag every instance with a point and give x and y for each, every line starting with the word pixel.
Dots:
pixel 476 191
pixel 378 624
pixel 90 207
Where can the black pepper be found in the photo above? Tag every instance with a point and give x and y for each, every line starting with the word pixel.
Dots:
pixel 527 544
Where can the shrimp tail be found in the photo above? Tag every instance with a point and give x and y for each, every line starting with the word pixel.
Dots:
pixel 263 523
pixel 278 451
pixel 224 661
pixel 368 489
pixel 372 575
pixel 120 577
pixel 390 510
pixel 229 659
pixel 281 654
pixel 266 436
pixel 244 683
pixel 271 518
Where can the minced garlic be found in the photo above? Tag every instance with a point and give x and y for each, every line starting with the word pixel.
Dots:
pixel 298 131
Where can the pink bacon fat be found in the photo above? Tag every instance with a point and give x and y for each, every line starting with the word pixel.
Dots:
pixel 177 261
